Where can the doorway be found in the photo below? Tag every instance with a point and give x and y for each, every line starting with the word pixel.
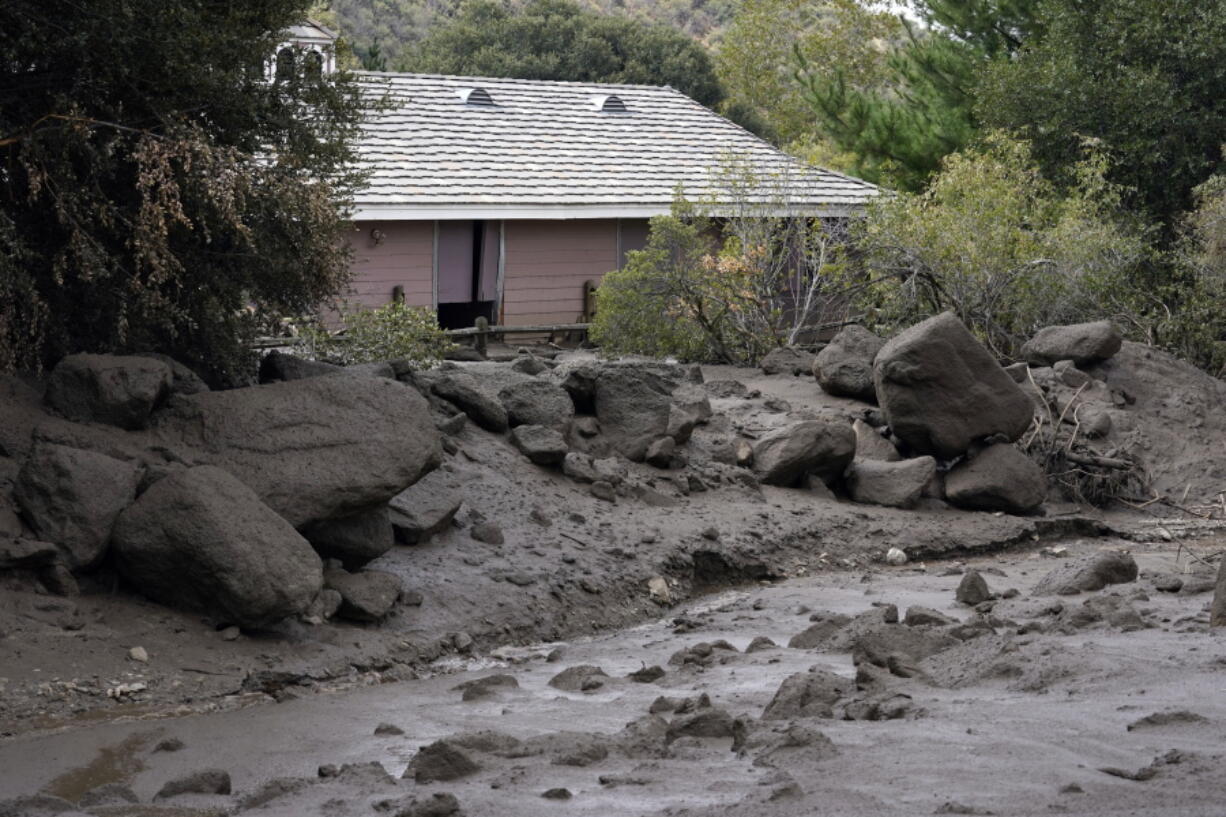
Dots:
pixel 469 256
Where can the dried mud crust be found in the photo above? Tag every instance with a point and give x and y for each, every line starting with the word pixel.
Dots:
pixel 570 564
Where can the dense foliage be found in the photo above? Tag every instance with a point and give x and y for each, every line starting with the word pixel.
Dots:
pixel 558 40
pixel 1009 253
pixel 390 332
pixel 1144 77
pixel 156 190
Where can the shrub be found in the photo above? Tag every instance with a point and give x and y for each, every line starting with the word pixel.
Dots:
pixel 994 241
pixel 391 332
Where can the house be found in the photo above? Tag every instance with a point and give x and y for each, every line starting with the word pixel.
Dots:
pixel 509 198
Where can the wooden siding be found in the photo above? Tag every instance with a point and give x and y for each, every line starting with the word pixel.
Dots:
pixel 546 264
pixel 404 258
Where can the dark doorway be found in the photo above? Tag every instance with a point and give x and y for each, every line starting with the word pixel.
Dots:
pixel 468 259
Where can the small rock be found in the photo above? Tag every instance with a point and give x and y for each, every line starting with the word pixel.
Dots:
pixel 577 678
pixel 660 453
pixel 973 589
pixel 540 444
pixel 232 633
pixel 556 794
pixel 487 532
pixel 603 490
pixel 169 745
pixel 388 729
pixel 440 761
pixel 1087 574
pixel 139 654
pixel 896 557
pixel 207 781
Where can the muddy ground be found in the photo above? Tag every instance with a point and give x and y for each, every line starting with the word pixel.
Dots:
pixel 579 570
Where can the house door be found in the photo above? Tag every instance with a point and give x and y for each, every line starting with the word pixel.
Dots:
pixel 468 260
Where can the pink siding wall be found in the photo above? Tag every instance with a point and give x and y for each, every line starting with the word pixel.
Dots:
pixel 546 265
pixel 405 257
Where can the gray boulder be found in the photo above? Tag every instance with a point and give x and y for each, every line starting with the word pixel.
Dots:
pixel 368 595
pixel 118 390
pixel 1082 343
pixel 845 367
pixel 633 406
pixel 201 539
pixel 998 478
pixel 425 508
pixel 823 448
pixel 870 445
pixel 183 379
pixel 1087 574
pixel 941 390
pixel 481 404
pixel 787 360
pixel 355 539
pixel 807 695
pixel 893 484
pixel 72 498
pixel 277 366
pixel 540 444
pixel 26 553
pixel 313 450
pixel 537 403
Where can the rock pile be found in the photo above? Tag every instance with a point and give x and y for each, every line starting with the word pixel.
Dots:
pixel 222 502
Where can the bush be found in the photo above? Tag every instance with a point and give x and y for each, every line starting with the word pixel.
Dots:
pixel 726 291
pixel 391 332
pixel 995 242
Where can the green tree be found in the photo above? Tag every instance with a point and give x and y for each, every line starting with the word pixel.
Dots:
pixel 900 129
pixel 755 60
pixel 1145 77
pixel 1008 252
pixel 157 191
pixel 558 40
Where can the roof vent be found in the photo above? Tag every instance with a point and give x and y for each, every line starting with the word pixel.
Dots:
pixel 609 104
pixel 476 96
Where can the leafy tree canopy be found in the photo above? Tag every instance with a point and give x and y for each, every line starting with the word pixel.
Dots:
pixel 559 40
pixel 899 129
pixel 157 191
pixel 1144 77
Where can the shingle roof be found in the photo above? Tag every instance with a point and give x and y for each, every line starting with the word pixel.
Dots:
pixel 547 149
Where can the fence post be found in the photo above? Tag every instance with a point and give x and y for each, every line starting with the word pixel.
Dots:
pixel 483 328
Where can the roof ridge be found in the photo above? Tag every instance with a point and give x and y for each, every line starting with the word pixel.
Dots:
pixel 516 80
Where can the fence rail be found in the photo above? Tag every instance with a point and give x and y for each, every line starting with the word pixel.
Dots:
pixel 479 333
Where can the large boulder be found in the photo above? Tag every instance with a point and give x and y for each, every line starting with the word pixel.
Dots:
pixel 72 498
pixel 845 367
pixel 998 478
pixel 200 538
pixel 540 444
pixel 118 390
pixel 425 508
pixel 787 360
pixel 183 379
pixel 537 403
pixel 356 539
pixel 810 694
pixel 1082 343
pixel 1086 574
pixel 470 396
pixel 893 484
pixel 822 448
pixel 941 390
pixel 633 406
pixel 316 449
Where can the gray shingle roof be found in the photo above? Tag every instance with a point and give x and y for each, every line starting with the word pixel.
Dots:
pixel 546 149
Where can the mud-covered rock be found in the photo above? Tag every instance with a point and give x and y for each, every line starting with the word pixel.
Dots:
pixel 845 367
pixel 205 781
pixel 973 589
pixel 537 403
pixel 315 449
pixel 16 552
pixel 113 389
pixel 998 478
pixel 73 497
pixel 1082 343
pixel 355 539
pixel 823 448
pixel 941 390
pixel 368 595
pixel 712 722
pixel 810 694
pixel 200 538
pixel 542 445
pixel 787 360
pixel 893 484
pixel 579 678
pixel 871 445
pixel 425 508
pixel 440 761
pixel 479 402
pixel 633 407
pixel 182 379
pixel 1086 574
